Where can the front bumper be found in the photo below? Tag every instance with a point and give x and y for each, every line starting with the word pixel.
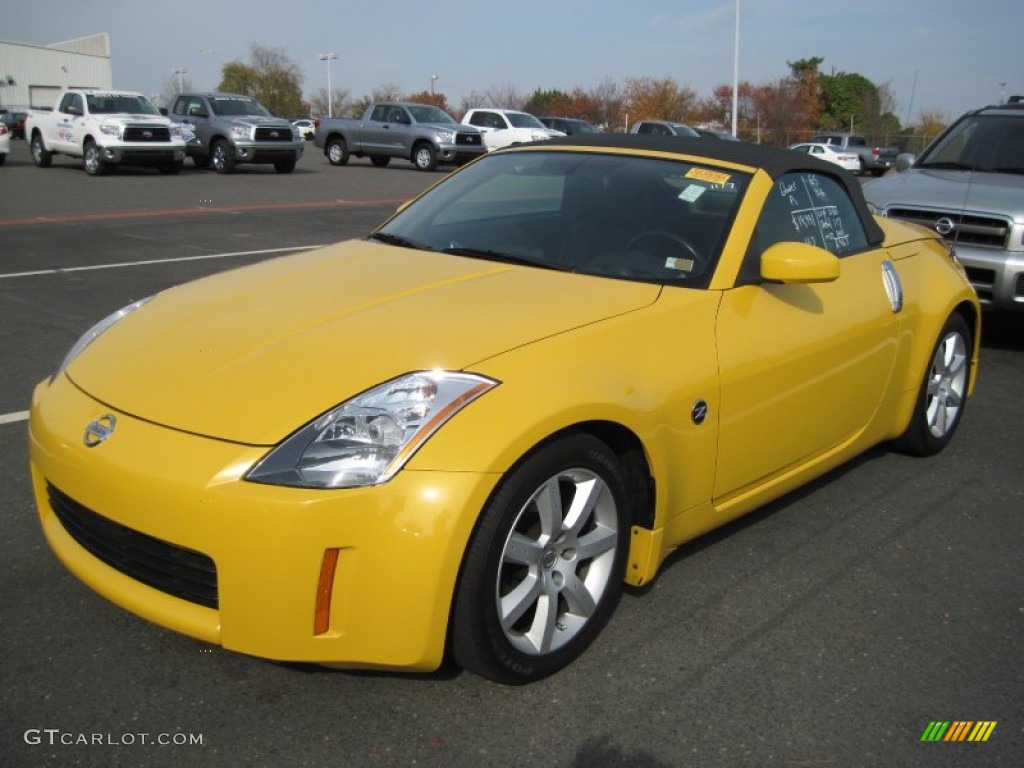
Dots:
pixel 144 154
pixel 268 152
pixel 399 546
pixel 997 276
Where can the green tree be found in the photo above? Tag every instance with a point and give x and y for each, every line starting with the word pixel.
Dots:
pixel 847 99
pixel 270 76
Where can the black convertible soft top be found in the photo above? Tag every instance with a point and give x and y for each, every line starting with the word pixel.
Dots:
pixel 773 161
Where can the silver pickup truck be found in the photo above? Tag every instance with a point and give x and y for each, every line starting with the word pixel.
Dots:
pixel 420 133
pixel 226 129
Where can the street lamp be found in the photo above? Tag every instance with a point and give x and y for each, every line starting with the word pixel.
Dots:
pixel 736 71
pixel 328 57
pixel 180 72
pixel 433 79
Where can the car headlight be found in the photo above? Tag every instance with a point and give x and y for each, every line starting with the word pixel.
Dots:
pixel 366 440
pixel 176 130
pixel 241 131
pixel 110 129
pixel 446 136
pixel 540 136
pixel 89 336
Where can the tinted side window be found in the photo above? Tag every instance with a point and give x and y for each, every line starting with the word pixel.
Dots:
pixel 811 208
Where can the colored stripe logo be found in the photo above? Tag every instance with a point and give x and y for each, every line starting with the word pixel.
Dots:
pixel 958 730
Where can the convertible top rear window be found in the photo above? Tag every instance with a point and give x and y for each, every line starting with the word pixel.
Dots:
pixel 629 217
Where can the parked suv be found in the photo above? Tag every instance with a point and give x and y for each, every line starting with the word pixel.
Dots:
pixel 968 185
pixel 228 129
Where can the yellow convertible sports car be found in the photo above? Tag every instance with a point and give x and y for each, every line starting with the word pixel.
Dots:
pixel 463 434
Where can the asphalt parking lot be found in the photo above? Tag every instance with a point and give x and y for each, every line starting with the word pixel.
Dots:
pixel 827 629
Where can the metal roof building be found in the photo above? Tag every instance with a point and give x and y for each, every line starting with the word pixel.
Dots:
pixel 33 75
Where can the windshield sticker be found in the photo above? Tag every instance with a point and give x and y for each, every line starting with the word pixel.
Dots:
pixel 692 192
pixel 703 174
pixel 683 265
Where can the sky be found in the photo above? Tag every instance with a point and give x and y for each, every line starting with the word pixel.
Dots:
pixel 935 55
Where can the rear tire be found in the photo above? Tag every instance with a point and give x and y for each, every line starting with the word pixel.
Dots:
pixel 943 394
pixel 337 152
pixel 544 568
pixel 40 156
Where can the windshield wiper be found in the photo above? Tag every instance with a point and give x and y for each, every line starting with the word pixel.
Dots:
pixel 949 166
pixel 486 253
pixel 389 239
pixel 1005 169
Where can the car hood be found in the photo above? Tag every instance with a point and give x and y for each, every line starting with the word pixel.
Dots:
pixel 945 190
pixel 252 354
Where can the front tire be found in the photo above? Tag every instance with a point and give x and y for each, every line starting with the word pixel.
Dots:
pixel 285 166
pixel 92 159
pixel 943 394
pixel 544 569
pixel 222 157
pixel 40 156
pixel 424 156
pixel 337 152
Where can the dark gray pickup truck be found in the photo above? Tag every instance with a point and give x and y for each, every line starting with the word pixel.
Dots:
pixel 420 133
pixel 223 130
pixel 874 160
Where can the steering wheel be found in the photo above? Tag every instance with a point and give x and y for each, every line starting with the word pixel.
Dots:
pixel 665 235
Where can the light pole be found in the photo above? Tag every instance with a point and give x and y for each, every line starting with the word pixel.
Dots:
pixel 180 72
pixel 433 79
pixel 736 71
pixel 328 57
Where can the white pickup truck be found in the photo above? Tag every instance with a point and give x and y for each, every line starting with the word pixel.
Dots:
pixel 505 127
pixel 105 128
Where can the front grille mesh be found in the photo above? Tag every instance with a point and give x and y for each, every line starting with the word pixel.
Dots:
pixel 970 229
pixel 468 139
pixel 143 133
pixel 273 134
pixel 178 571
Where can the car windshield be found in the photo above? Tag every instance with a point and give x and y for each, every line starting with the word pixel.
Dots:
pixel 235 106
pixel 429 114
pixel 110 104
pixel 523 120
pixel 993 143
pixel 608 215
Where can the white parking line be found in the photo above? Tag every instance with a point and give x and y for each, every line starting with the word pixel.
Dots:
pixel 11 418
pixel 91 267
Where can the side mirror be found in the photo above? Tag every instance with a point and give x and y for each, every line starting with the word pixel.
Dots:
pixel 904 160
pixel 71 109
pixel 788 262
pixel 197 112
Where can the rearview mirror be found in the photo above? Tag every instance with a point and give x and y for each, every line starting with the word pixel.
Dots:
pixel 788 262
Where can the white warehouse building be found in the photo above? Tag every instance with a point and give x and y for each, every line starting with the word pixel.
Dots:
pixel 33 75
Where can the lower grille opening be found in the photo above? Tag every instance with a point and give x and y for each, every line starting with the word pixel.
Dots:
pixel 177 571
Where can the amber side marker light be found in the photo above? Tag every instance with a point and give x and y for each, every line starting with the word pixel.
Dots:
pixel 324 591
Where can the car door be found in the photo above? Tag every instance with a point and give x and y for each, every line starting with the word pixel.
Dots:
pixel 68 124
pixel 375 134
pixel 804 367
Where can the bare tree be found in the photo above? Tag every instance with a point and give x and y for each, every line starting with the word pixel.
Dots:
pixel 341 104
